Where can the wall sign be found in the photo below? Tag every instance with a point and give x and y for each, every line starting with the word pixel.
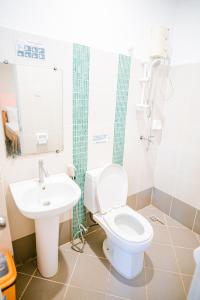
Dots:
pixel 100 138
pixel 30 50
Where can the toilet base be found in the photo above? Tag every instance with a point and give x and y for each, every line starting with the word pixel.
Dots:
pixel 126 264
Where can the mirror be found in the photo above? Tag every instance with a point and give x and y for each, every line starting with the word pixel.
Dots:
pixel 31 109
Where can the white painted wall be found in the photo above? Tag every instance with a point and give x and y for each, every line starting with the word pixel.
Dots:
pixel 5 237
pixel 102 101
pixel 114 25
pixel 186 37
pixel 177 169
pixel 138 162
pixel 58 54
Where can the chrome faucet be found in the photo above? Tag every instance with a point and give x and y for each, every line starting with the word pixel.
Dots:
pixel 42 172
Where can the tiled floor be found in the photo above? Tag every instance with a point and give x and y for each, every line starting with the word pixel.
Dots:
pixel 167 272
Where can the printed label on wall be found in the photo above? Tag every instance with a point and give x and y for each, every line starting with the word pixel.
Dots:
pixel 30 50
pixel 100 138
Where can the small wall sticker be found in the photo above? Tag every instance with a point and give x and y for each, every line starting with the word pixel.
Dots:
pixel 30 50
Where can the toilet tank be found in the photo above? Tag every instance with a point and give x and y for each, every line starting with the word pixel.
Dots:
pixel 90 200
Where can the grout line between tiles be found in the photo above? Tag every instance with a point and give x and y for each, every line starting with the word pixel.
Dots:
pixel 27 261
pixel 117 297
pixel 31 277
pixel 136 202
pixel 194 220
pixel 146 287
pixel 165 244
pixel 170 209
pixel 109 277
pixel 50 280
pixel 198 236
pixel 162 269
pixel 23 273
pixel 168 271
pixel 89 290
pixel 93 255
pixel 151 196
pixel 173 226
pixel 97 291
pixel 179 269
pixel 70 278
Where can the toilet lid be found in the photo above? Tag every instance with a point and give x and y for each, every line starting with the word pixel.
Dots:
pixel 112 188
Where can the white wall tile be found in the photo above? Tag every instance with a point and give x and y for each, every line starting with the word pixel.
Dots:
pixel 102 102
pixel 138 162
pixel 177 169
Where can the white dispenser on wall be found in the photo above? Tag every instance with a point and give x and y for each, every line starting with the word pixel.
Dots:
pixel 159 42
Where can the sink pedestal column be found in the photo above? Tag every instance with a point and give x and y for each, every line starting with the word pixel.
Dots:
pixel 47 234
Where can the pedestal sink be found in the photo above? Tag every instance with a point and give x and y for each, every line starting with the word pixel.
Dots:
pixel 44 203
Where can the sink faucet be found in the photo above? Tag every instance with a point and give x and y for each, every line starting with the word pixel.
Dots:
pixel 42 172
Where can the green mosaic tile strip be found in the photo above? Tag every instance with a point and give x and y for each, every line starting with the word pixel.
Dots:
pixel 124 66
pixel 81 60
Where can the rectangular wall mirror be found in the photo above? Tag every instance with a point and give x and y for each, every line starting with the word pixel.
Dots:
pixel 31 107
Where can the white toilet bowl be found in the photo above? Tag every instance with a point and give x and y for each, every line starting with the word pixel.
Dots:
pixel 129 234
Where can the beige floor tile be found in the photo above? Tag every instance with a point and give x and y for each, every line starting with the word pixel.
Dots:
pixel 198 237
pixel 66 247
pixel 162 257
pixel 164 285
pixel 91 273
pixel 67 260
pixel 161 200
pixel 183 237
pixel 40 289
pixel 143 199
pixel 28 267
pixel 74 293
pixel 132 289
pixel 161 235
pixel 111 297
pixel 151 210
pixel 94 243
pixel 21 282
pixel 173 223
pixel 131 201
pixel 185 260
pixel 187 281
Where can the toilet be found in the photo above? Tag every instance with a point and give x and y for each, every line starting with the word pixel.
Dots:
pixel 128 234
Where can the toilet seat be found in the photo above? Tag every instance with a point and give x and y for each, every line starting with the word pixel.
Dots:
pixel 112 188
pixel 128 225
pixel 128 234
pixel 121 220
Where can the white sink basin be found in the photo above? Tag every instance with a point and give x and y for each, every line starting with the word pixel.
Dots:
pixel 35 200
pixel 44 203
